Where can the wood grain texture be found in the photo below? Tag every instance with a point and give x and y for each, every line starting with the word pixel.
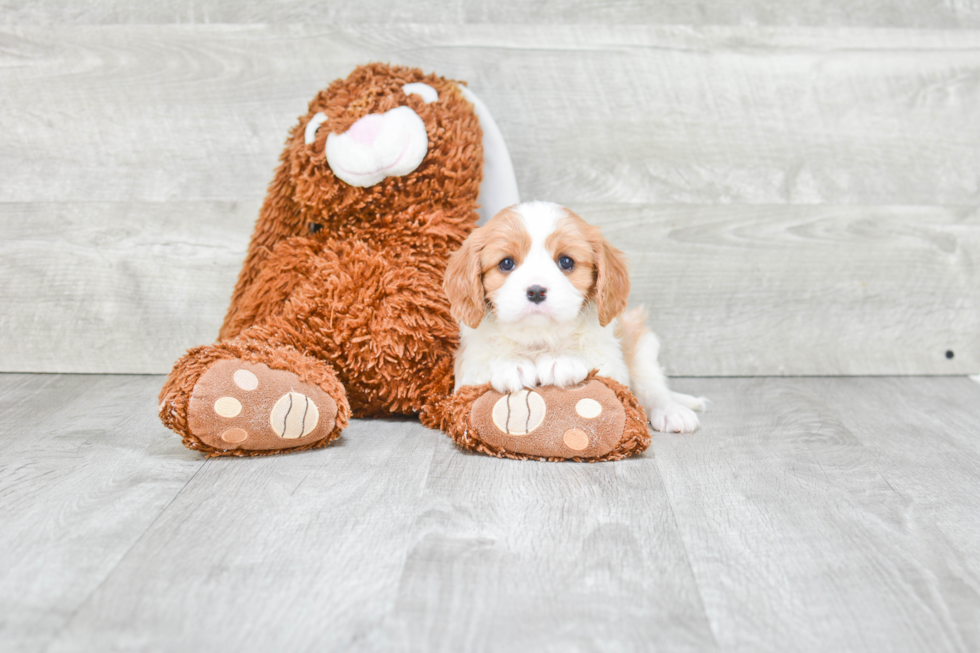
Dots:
pixel 824 290
pixel 294 552
pixel 86 468
pixel 812 524
pixel 871 13
pixel 600 113
pixel 511 556
pixel 806 515
pixel 115 287
pixel 935 475
pixel 732 290
pixel 396 540
pixel 824 182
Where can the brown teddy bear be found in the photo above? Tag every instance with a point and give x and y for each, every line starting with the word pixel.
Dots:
pixel 339 309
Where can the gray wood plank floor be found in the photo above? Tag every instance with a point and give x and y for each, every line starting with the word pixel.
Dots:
pixel 808 514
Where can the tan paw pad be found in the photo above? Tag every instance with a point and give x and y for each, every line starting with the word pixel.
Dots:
pixel 519 413
pixel 246 406
pixel 576 439
pixel 234 436
pixel 588 408
pixel 228 407
pixel 294 416
pixel 246 380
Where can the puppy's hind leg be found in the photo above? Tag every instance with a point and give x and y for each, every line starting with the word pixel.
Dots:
pixel 667 411
pixel 694 403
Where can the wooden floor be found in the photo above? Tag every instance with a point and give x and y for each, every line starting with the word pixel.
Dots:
pixel 809 514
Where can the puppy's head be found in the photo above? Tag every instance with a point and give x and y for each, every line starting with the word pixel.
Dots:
pixel 536 263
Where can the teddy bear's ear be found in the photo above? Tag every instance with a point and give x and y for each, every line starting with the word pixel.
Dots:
pixel 464 282
pixel 498 188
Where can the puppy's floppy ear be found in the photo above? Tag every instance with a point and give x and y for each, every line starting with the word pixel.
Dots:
pixel 612 284
pixel 464 282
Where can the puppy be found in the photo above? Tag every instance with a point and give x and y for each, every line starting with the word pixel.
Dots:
pixel 540 297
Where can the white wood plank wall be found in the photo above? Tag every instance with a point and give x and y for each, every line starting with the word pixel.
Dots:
pixel 949 14
pixel 799 197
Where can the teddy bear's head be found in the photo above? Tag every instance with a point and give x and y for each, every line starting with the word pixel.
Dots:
pixel 390 159
pixel 385 145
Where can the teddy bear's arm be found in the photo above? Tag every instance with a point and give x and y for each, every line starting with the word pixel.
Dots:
pixel 280 219
pixel 285 268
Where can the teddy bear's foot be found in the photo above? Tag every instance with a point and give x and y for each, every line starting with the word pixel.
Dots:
pixel 598 419
pixel 248 407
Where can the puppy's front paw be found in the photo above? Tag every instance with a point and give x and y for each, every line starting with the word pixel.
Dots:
pixel 511 375
pixel 673 418
pixel 561 371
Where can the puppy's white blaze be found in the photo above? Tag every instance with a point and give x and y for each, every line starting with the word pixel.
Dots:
pixel 563 300
pixel 398 147
pixel 540 218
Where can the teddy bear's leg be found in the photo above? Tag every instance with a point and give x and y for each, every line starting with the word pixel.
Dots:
pixel 599 419
pixel 243 397
pixel 380 316
pixel 285 268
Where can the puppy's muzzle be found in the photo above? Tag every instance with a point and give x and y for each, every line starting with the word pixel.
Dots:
pixel 536 294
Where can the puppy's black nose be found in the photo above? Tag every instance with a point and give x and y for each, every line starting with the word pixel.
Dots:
pixel 536 294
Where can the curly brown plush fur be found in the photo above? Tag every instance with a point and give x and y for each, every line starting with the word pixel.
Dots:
pixel 425 215
pixel 342 285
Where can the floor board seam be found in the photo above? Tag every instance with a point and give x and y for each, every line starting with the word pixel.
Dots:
pixel 391 613
pixel 68 622
pixel 687 555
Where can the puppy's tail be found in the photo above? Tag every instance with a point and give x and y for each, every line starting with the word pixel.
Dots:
pixel 694 403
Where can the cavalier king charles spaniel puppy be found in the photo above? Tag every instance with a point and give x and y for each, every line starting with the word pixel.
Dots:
pixel 540 297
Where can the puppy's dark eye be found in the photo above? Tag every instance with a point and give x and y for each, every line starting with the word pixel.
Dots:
pixel 506 265
pixel 315 228
pixel 565 263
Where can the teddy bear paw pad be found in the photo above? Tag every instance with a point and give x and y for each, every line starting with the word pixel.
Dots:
pixel 585 421
pixel 249 406
pixel 519 413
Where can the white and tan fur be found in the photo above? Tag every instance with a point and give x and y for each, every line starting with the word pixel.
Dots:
pixel 576 322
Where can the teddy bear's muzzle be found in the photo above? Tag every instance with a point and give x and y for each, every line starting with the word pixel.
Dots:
pixel 378 146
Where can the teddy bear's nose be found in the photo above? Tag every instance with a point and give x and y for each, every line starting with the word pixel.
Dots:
pixel 365 130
